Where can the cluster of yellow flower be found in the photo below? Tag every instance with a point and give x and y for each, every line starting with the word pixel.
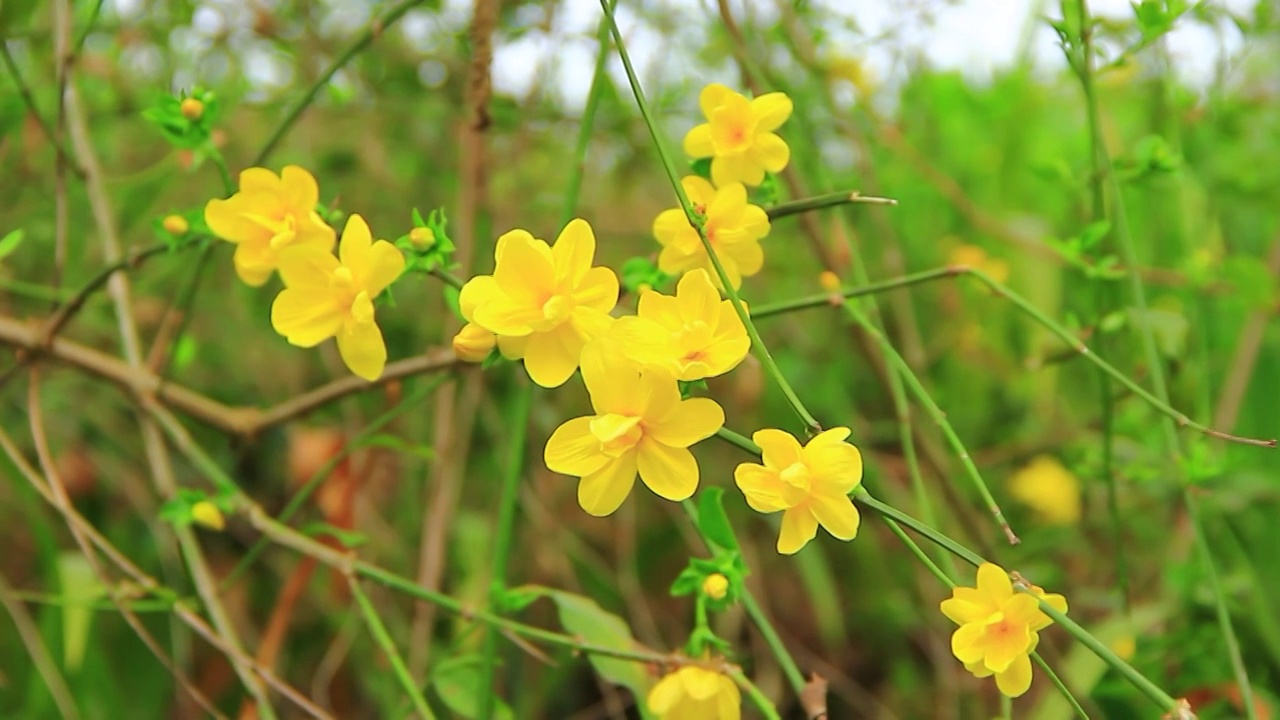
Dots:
pixel 274 224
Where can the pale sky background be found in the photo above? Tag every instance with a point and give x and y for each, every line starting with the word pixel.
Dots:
pixel 974 36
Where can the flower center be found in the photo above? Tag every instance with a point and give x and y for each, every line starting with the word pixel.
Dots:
pixel 796 475
pixel 557 309
pixel 285 233
pixel 616 433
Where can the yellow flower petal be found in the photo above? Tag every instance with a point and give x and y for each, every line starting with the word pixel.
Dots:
pixel 610 378
pixel 779 449
pixel 666 695
pixel 799 526
pixel 573 253
pixel 601 492
pixel 837 514
pixel 994 582
pixel 697 142
pixel 761 487
pixel 551 357
pixel 967 605
pixel 771 153
pixel 728 169
pixel 1016 679
pixel 306 317
pixel 299 187
pixel 306 267
pixel 831 437
pixel 573 450
pixel 524 273
pixel 597 289
pixel 747 258
pixel 385 263
pixel 256 179
pixel 225 219
pixel 646 342
pixel 713 96
pixel 354 247
pixel 477 291
pixel 505 316
pixel 967 642
pixel 661 309
pixel 700 192
pixel 688 422
pixel 699 683
pixel 670 472
pixel 361 347
pixel 671 227
pixel 771 110
pixel 697 298
pixel 512 348
pixel 1003 647
pixel 658 395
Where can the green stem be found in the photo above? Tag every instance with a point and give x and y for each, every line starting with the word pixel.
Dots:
pixel 757 344
pixel 771 638
pixel 762 702
pixel 587 123
pixel 819 202
pixel 383 638
pixel 35 290
pixel 27 98
pixel 863 497
pixel 1124 242
pixel 1006 707
pixel 377 27
pixel 1062 687
pixel 507 504
pixel 88 28
pixel 1025 306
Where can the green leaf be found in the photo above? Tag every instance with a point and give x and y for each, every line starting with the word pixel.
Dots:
pixel 349 538
pixel 701 167
pixel 713 521
pixel 581 616
pixel 10 242
pixel 79 587
pixel 459 684
pixel 398 444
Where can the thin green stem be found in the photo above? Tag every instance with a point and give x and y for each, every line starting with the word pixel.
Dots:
pixel 383 638
pixel 223 173
pixel 25 93
pixel 182 303
pixel 650 121
pixel 36 291
pixel 771 638
pixel 1006 707
pixel 819 202
pixel 291 508
pixel 1062 687
pixel 761 701
pixel 88 28
pixel 586 124
pixel 919 552
pixel 507 503
pixel 377 27
pixel 1124 242
pixel 863 497
pixel 1026 307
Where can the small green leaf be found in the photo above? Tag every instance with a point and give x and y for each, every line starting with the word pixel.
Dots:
pixel 712 519
pixel 10 242
pixel 79 587
pixel 581 616
pixel 459 684
pixel 391 442
pixel 349 538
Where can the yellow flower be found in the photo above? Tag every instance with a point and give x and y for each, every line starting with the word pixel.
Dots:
pixel 733 226
pixel 694 693
pixel 829 281
pixel 543 302
pixel 208 515
pixel 269 214
pixel 977 258
pixel 422 238
pixel 175 225
pixel 999 628
pixel 473 343
pixel 327 296
pixel 810 484
pixel 1049 489
pixel 641 425
pixel 738 136
pixel 693 335
pixel 715 586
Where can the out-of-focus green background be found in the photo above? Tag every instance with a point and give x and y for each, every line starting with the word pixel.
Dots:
pixel 991 164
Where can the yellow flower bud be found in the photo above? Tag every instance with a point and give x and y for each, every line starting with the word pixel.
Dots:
pixel 715 586
pixel 192 109
pixel 829 281
pixel 473 343
pixel 422 238
pixel 1124 646
pixel 207 514
pixel 175 225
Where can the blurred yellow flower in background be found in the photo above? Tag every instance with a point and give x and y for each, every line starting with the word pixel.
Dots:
pixel 693 335
pixel 267 215
pixel 543 302
pixel 977 258
pixel 641 425
pixel 733 227
pixel 1048 488
pixel 738 135
pixel 694 693
pixel 810 484
pixel 327 296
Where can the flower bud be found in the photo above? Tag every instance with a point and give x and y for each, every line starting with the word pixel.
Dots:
pixel 422 238
pixel 473 343
pixel 207 514
pixel 829 281
pixel 175 225
pixel 715 586
pixel 192 109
